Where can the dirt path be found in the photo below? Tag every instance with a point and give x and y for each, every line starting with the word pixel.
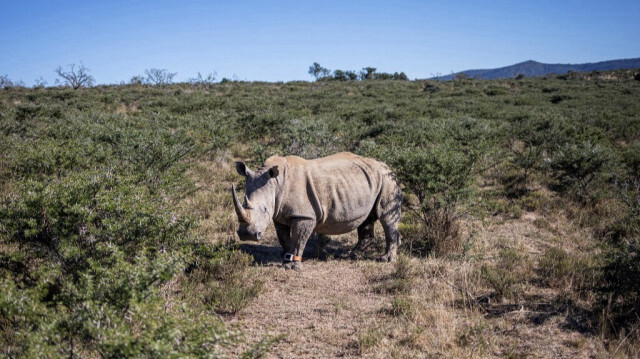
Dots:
pixel 320 309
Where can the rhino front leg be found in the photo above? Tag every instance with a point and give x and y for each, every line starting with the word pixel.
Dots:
pixel 301 230
pixel 284 237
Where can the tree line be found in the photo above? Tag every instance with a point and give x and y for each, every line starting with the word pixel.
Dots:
pixel 78 76
pixel 367 73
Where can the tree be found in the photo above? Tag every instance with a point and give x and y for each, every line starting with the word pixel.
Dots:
pixel 40 82
pixel 340 75
pixel 137 80
pixel 318 71
pixel 75 77
pixel 368 73
pixel 400 76
pixel 205 82
pixel 382 76
pixel 159 77
pixel 5 82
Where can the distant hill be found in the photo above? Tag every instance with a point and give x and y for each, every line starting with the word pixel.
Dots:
pixel 533 68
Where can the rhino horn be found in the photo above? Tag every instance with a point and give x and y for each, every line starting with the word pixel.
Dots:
pixel 243 216
pixel 249 204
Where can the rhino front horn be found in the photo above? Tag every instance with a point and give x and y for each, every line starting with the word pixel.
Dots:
pixel 243 216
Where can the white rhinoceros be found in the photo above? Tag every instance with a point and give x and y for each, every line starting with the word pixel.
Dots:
pixel 330 195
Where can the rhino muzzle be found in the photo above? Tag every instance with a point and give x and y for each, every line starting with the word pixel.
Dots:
pixel 246 235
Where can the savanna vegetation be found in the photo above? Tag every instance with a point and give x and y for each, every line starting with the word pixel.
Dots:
pixel 117 228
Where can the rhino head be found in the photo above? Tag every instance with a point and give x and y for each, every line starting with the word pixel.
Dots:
pixel 257 210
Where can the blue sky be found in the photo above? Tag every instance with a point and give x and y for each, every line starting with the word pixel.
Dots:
pixel 278 40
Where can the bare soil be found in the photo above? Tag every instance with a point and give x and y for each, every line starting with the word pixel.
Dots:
pixel 337 306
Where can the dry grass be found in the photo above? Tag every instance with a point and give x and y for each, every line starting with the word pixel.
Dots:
pixel 344 308
pixel 212 202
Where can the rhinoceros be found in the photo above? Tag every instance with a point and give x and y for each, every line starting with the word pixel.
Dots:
pixel 330 195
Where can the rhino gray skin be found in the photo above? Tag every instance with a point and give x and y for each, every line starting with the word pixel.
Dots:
pixel 330 195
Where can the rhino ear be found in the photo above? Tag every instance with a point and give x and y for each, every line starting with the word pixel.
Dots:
pixel 273 172
pixel 242 169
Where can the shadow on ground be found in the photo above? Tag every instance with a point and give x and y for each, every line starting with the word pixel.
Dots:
pixel 318 247
pixel 538 310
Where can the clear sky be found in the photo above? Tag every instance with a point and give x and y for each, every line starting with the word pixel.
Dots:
pixel 278 40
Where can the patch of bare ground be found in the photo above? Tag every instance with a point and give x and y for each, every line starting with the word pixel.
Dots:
pixel 343 307
pixel 319 310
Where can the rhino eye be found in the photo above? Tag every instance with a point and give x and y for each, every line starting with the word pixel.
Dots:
pixel 263 208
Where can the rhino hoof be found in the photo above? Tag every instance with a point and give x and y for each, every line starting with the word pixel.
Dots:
pixel 386 258
pixel 292 265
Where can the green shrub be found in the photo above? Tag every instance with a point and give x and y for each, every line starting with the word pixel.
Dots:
pixel 403 269
pixel 91 233
pixel 495 206
pixel 113 309
pixel 508 276
pixel 619 290
pixel 65 221
pixel 631 160
pixel 401 280
pixel 436 162
pixel 533 201
pixel 369 338
pixel 221 278
pixel 440 177
pixel 528 160
pixel 310 139
pixel 576 166
pixel 531 136
pixel 558 269
pixel 495 91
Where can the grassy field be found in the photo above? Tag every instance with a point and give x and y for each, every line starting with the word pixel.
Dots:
pixel 521 221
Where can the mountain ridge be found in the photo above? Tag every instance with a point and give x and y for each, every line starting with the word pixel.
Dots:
pixel 531 68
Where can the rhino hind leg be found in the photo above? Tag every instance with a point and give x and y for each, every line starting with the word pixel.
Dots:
pixel 392 237
pixel 389 218
pixel 365 235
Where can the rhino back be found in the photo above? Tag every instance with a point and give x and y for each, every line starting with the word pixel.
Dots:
pixel 338 191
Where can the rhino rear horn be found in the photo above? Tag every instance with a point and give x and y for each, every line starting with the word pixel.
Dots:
pixel 243 216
